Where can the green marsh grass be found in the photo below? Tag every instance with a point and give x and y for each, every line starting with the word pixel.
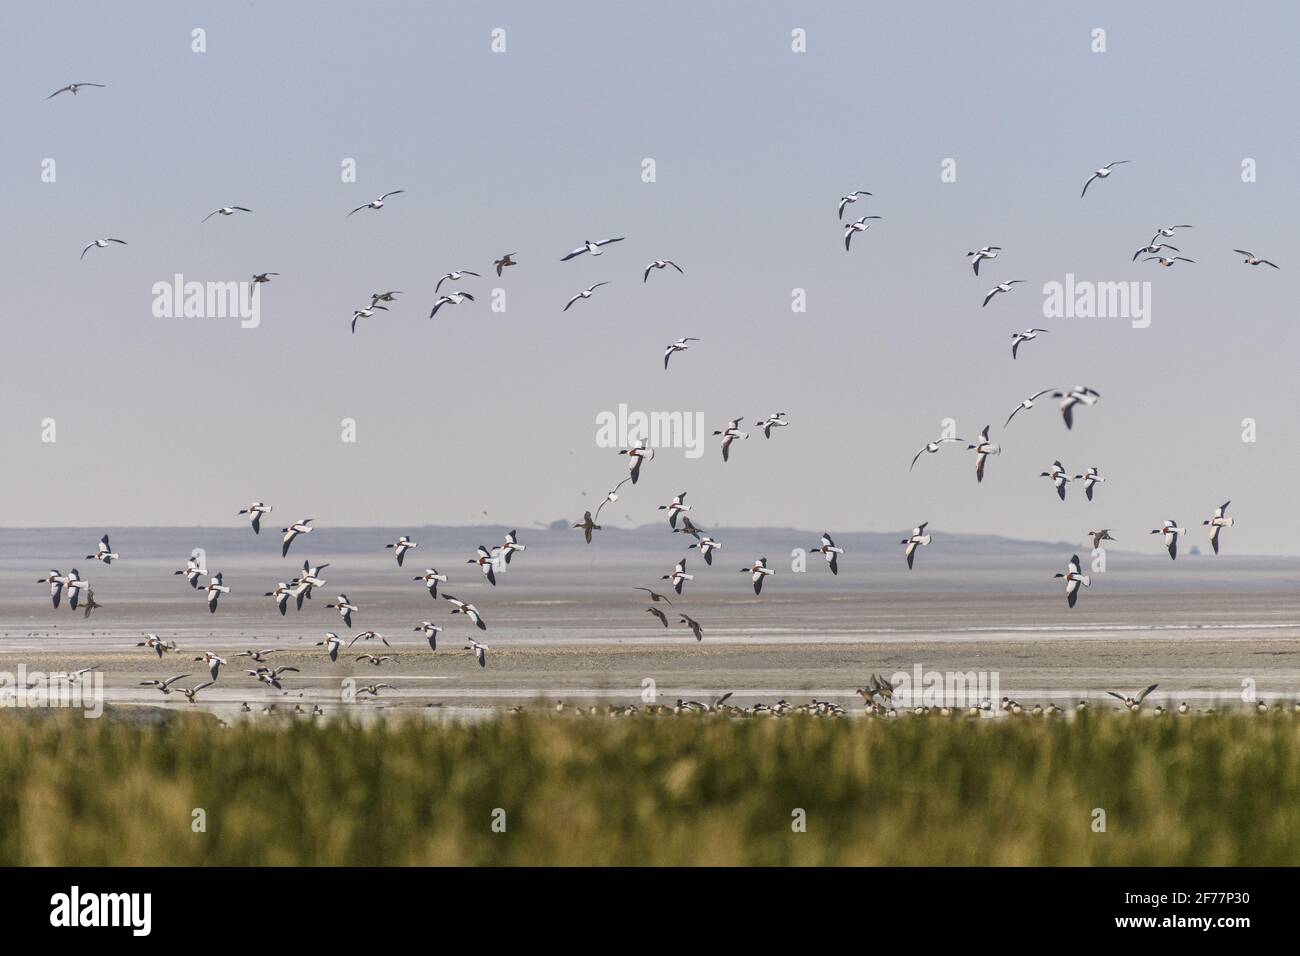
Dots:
pixel 653 791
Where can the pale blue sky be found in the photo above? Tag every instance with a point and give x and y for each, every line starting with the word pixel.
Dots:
pixel 179 422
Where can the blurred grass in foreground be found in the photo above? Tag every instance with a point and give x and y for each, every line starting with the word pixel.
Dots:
pixel 646 791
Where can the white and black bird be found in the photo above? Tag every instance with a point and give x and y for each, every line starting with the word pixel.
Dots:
pixel 193 570
pixel 1026 404
pixel 190 692
pixel 451 298
pixel 163 685
pixel 830 552
pixel 932 447
pixel 157 644
pixel 707 546
pixel 103 553
pixel 635 455
pixel 469 610
pixel 678 346
pixel 729 435
pixel 226 211
pixel 983 448
pixel 918 538
pixel 376 203
pixel 1026 336
pixel 979 255
pixel 401 546
pixel 774 420
pixel 1216 523
pixel 757 572
pixel 612 496
pixel 1101 174
pixel 591 247
pixel 282 592
pixel 675 507
pixel 1074 578
pixel 56 580
pixel 1079 395
pixel 1254 260
pixel 344 607
pixel 660 264
pixel 586 294
pixel 74 584
pixel 487 563
pixel 455 276
pixel 1133 703
pixel 850 199
pixel 1167 232
pixel 1167 261
pixel 853 228
pixel 1171 532
pixel 1154 249
pixel 332 643
pixel 1001 287
pixel 365 314
pixel 73 88
pixel 432 579
pixel 212 662
pixel 1090 478
pixel 292 532
pixel 510 546
pixel 480 651
pixel 1059 478
pixel 101 244
pixel 430 632
pixel 369 636
pixel 214 591
pixel 679 577
pixel 255 511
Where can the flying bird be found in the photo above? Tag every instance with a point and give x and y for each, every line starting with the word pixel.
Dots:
pixel 1026 336
pixel 1079 395
pixel 487 563
pixel 332 643
pixel 226 211
pixel 430 632
pixel 1254 260
pixel 979 255
pixel 376 203
pixel 757 572
pixel 469 610
pixel 1099 536
pixel 694 625
pixel 454 276
pixel 1153 249
pixel 400 547
pixel 663 618
pixel 932 447
pixel 861 225
pixel 451 298
pixel 1133 703
pixel 1000 287
pixel 1216 523
pixel 1101 174
pixel 101 244
pixel 157 644
pixel 255 512
pixel 586 294
pixel 1026 404
pixel 591 247
pixel 850 199
pixel 291 532
pixel 163 685
pixel 587 525
pixel 830 552
pixel 675 507
pixel 344 607
pixel 730 434
pixel 504 261
pixel 707 546
pixel 660 264
pixel 214 591
pixel 1171 531
pixel 655 596
pixel 480 651
pixel 1058 476
pixel 1073 578
pixel 56 581
pixel 103 552
pixel 73 88
pixel 1090 479
pixel 365 314
pixel 678 346
pixel 918 538
pixel 775 420
pixel 1167 261
pixel 983 448
pixel 635 455
pixel 679 577
pixel 432 579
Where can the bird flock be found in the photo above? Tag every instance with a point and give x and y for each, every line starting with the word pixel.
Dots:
pixel 490 561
